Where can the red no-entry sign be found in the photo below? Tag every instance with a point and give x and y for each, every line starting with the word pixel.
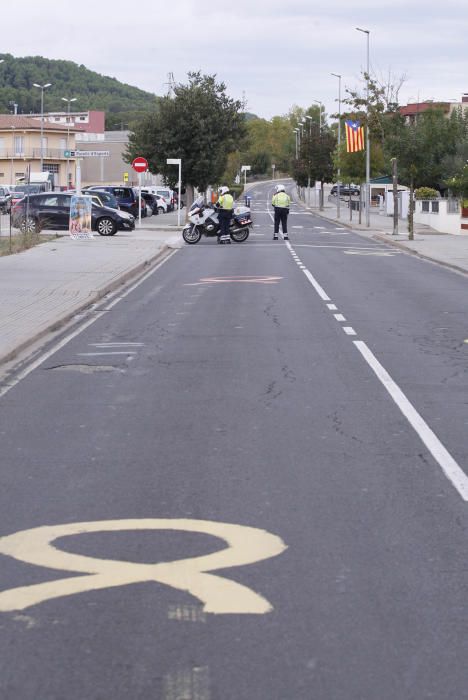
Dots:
pixel 140 165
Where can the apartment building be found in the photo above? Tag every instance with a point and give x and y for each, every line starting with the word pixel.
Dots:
pixel 21 147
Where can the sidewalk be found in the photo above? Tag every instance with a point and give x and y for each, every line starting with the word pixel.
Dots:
pixel 442 248
pixel 44 287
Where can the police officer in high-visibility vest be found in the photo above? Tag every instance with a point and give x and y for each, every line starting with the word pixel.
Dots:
pixel 281 202
pixel 225 206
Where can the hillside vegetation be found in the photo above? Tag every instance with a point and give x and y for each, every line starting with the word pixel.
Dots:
pixel 122 103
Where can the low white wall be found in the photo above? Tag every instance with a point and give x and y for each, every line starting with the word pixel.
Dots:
pixel 442 221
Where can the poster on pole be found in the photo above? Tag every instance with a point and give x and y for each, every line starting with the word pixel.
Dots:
pixel 80 217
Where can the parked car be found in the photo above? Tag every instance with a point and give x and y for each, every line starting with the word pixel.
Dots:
pixel 101 198
pixel 5 200
pixel 51 210
pixel 345 190
pixel 107 199
pixel 151 201
pixel 126 197
pixel 165 192
pixel 160 201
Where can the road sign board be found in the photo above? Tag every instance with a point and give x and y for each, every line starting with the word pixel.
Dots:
pixel 140 165
pixel 86 154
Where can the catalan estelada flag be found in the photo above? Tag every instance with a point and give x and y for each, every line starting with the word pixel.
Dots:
pixel 354 136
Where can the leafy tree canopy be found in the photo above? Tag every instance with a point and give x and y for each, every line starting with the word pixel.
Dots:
pixel 200 124
pixel 122 103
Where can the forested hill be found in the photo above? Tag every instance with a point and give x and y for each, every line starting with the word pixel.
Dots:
pixel 122 103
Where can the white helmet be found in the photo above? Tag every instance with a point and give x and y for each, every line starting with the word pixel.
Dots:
pixel 280 188
pixel 223 190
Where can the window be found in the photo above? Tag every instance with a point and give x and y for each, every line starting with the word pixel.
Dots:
pixel 425 205
pixel 63 144
pixel 19 146
pixel 49 201
pixel 50 168
pixel 2 145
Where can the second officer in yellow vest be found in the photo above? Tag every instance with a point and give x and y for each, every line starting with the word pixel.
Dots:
pixel 281 202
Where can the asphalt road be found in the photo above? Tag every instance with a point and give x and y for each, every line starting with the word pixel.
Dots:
pixel 300 407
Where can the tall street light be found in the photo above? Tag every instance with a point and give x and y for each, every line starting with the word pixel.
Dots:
pixel 42 88
pixel 68 101
pixel 295 131
pixel 367 32
pixel 337 75
pixel 320 114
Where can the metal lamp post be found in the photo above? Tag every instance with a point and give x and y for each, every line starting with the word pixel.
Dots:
pixel 42 88
pixel 320 115
pixel 337 75
pixel 295 131
pixel 367 32
pixel 68 101
pixel 13 149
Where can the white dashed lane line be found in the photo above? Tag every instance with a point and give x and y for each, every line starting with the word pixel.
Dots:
pixel 452 470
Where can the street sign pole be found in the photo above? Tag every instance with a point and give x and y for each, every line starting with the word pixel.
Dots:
pixel 139 200
pixel 78 175
pixel 140 165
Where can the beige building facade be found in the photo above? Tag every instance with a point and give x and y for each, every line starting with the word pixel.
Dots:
pixel 21 149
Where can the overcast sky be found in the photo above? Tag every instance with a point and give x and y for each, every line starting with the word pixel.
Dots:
pixel 275 53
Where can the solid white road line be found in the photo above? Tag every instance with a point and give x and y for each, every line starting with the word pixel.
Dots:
pixel 448 465
pixel 110 352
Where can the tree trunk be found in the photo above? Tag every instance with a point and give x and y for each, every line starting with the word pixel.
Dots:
pixel 321 195
pixel 189 197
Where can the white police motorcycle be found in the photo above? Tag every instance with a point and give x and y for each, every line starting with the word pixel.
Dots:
pixel 204 221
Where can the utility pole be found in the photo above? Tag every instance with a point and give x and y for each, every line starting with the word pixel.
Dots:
pixel 42 88
pixel 337 75
pixel 69 101
pixel 368 197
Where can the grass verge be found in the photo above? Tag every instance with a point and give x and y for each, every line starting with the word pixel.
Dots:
pixel 22 241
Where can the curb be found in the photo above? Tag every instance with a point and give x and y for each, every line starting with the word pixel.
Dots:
pixel 100 293
pixel 417 253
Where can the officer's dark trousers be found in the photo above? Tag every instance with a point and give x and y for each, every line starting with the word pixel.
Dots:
pixel 281 214
pixel 224 220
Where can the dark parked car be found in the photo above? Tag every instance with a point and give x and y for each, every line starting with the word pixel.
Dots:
pixel 107 198
pixel 52 210
pixel 151 201
pixel 5 200
pixel 127 198
pixel 345 190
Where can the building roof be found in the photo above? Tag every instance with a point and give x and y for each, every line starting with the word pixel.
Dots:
pixel 418 107
pixel 21 121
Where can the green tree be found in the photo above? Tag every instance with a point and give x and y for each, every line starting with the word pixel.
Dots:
pixel 421 148
pixel 200 124
pixel 315 162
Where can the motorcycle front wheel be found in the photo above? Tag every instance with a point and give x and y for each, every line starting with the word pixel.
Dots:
pixel 191 234
pixel 241 235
